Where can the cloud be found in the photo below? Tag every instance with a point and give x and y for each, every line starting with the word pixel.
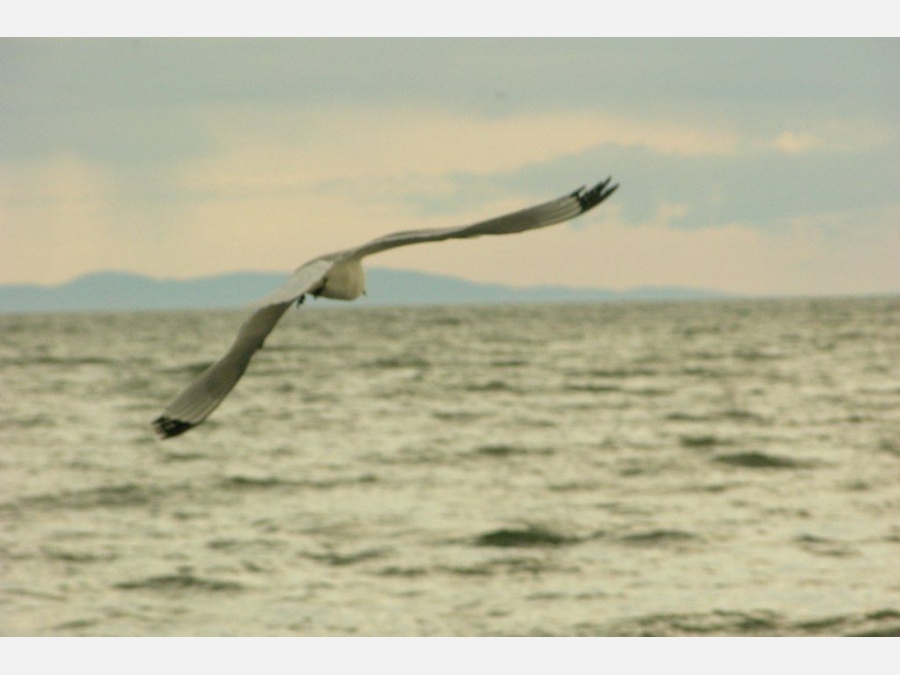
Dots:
pixel 793 143
pixel 193 157
pixel 53 214
pixel 415 155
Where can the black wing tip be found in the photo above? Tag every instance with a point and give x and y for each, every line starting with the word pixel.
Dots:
pixel 167 427
pixel 598 193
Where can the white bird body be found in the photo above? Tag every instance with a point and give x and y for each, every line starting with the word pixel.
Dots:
pixel 346 280
pixel 340 276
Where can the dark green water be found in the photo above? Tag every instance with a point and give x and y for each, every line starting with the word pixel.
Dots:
pixel 727 468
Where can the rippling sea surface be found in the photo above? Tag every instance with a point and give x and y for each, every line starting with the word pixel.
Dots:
pixel 697 468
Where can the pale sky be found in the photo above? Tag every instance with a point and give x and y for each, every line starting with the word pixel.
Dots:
pixel 747 166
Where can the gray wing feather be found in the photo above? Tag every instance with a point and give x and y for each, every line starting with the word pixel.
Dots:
pixel 550 213
pixel 203 395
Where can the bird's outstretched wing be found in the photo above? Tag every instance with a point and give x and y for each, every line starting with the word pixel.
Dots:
pixel 203 395
pixel 542 215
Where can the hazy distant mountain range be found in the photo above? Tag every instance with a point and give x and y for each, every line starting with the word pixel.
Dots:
pixel 122 291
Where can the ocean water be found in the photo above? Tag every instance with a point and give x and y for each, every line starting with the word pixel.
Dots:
pixel 694 468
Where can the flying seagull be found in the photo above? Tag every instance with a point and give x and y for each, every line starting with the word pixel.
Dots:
pixel 340 276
